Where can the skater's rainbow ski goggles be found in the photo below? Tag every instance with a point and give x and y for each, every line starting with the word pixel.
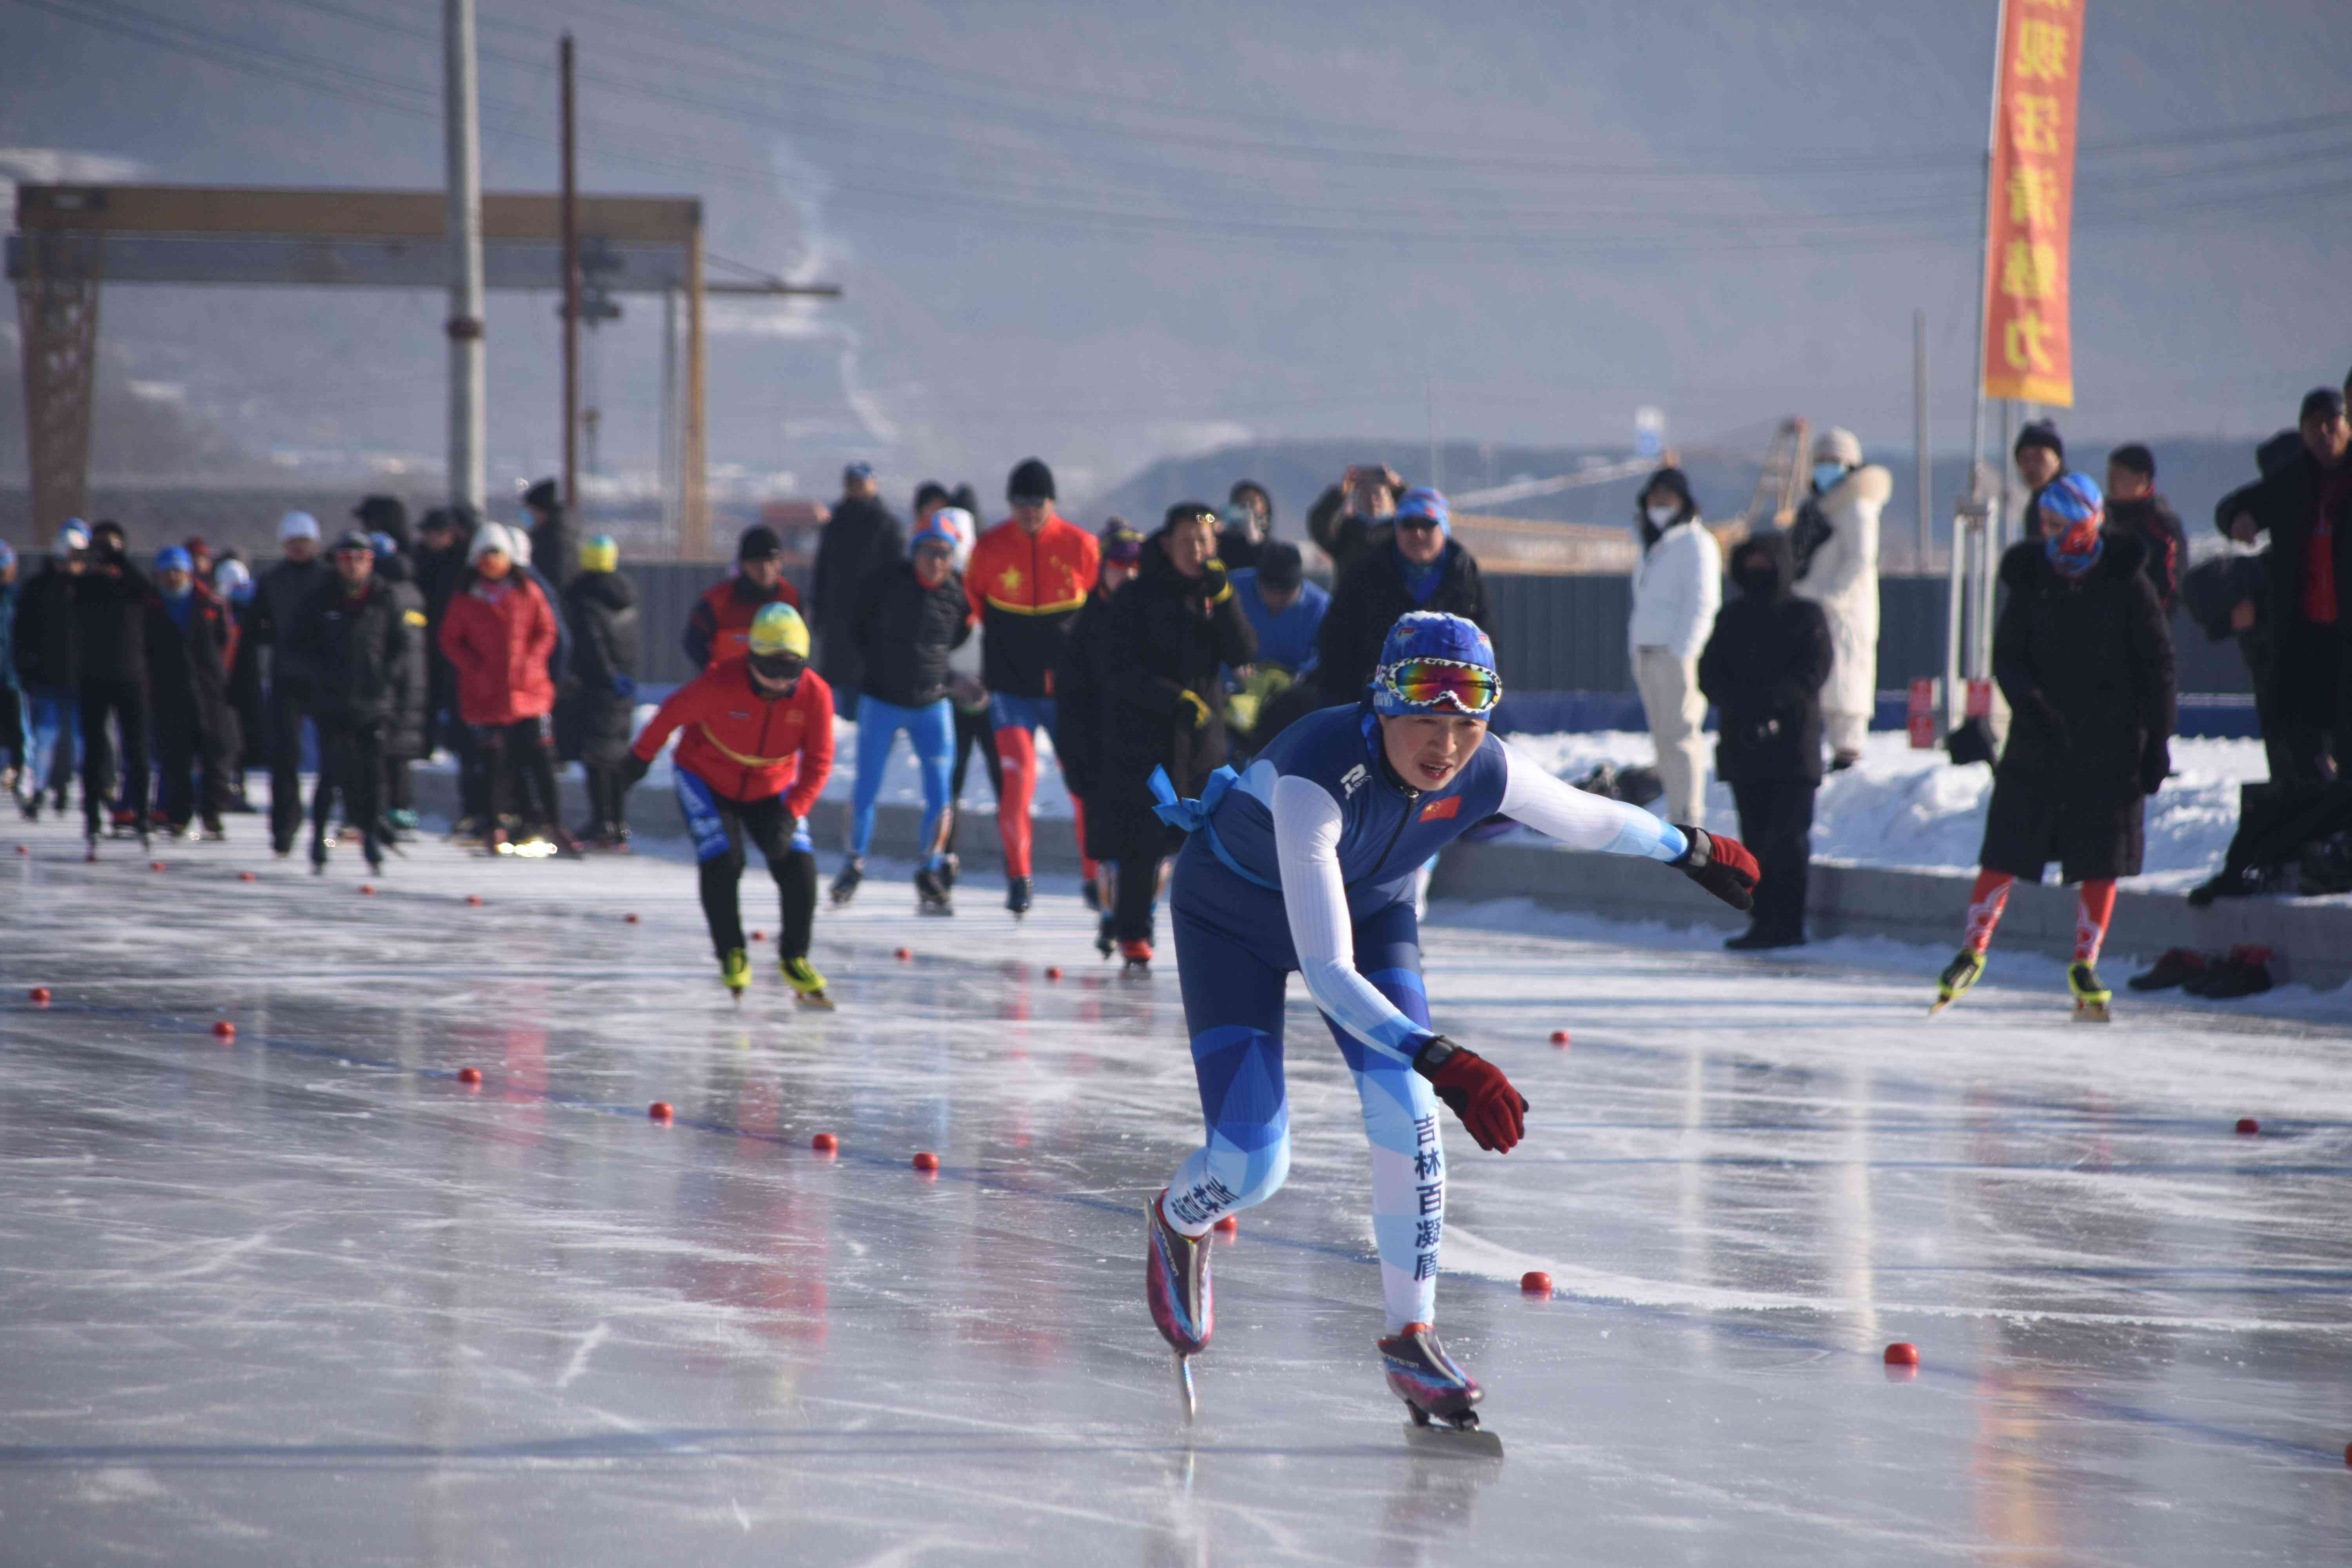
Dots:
pixel 1424 683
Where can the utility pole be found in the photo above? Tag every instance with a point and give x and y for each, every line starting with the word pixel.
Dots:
pixel 1919 435
pixel 570 290
pixel 462 134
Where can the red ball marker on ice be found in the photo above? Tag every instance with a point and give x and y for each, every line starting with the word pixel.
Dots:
pixel 824 1144
pixel 155 865
pixel 367 889
pixel 1230 1224
pixel 469 1075
pixel 247 876
pixel 1536 1282
pixel 758 936
pixel 224 1030
pixel 905 954
pixel 927 1161
pixel 629 919
pixel 1903 1353
pixel 473 901
pixel 1559 1037
pixel 40 995
pixel 2248 1126
pixel 660 1110
pixel 24 849
pixel 1054 972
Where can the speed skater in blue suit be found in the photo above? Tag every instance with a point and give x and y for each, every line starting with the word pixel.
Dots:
pixel 1305 862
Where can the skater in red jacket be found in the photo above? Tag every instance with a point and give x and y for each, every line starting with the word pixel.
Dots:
pixel 756 749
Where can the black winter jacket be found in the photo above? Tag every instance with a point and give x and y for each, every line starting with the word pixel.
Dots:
pixel 595 721
pixel 903 633
pixel 2151 521
pixel 555 547
pixel 49 636
pixel 188 668
pixel 1079 693
pixel 406 735
pixel 278 595
pixel 1168 636
pixel 2285 504
pixel 1369 600
pixel 2087 668
pixel 110 621
pixel 354 652
pixel 861 536
pixel 1763 668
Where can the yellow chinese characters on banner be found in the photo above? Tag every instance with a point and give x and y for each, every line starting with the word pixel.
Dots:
pixel 2028 349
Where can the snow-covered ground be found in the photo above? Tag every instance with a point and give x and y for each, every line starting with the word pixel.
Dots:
pixel 1913 809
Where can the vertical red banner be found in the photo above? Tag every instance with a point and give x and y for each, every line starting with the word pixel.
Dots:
pixel 2029 345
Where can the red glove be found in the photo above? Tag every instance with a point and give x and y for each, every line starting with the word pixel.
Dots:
pixel 1722 866
pixel 1474 1089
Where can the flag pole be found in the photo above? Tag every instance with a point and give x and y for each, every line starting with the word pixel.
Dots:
pixel 1972 520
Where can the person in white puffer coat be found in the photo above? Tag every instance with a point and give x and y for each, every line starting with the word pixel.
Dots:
pixel 1677 590
pixel 1835 540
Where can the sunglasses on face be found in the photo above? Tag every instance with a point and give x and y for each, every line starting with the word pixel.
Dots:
pixel 1424 682
pixel 1417 524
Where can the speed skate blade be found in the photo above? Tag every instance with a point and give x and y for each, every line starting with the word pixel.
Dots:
pixel 1442 1441
pixel 2092 1013
pixel 1184 1387
pixel 820 1002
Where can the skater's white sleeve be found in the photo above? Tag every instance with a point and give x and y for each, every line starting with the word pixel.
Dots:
pixel 1582 821
pixel 1314 897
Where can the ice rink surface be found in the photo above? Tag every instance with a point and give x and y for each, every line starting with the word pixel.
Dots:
pixel 303 1297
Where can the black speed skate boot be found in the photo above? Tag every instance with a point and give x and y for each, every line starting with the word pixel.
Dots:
pixel 1436 1392
pixel 931 893
pixel 1105 936
pixel 1967 966
pixel 845 887
pixel 1019 894
pixel 1176 1286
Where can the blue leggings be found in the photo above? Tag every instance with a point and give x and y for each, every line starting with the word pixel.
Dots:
pixel 931 731
pixel 1233 956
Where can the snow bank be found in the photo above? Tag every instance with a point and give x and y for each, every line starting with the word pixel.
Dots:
pixel 1910 809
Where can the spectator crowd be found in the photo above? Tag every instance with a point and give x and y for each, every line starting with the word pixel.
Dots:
pixel 161 683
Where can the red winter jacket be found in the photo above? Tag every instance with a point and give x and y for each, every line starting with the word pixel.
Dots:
pixel 742 742
pixel 721 625
pixel 498 636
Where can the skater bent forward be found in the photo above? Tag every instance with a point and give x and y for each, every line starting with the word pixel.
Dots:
pixel 1305 862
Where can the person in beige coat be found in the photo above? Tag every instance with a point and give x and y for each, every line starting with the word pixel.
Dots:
pixel 1835 538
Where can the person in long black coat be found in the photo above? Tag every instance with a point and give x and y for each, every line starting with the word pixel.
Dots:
pixel 2083 656
pixel 1420 566
pixel 1763 668
pixel 1078 696
pixel 861 535
pixel 595 711
pixel 1170 632
pixel 110 621
pixel 443 538
pixel 189 635
pixel 351 635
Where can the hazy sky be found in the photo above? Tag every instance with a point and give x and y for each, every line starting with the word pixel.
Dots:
pixel 1101 232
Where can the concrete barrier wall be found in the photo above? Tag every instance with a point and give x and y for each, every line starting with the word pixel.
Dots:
pixel 2310 939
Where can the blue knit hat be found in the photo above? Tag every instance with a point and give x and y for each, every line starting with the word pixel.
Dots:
pixel 171 558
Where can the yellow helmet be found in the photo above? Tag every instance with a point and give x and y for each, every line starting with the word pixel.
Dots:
pixel 601 553
pixel 778 629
